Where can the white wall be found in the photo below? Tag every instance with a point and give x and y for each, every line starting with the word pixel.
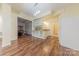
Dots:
pixel 0 27
pixel 69 28
pixel 14 26
pixel 7 25
pixel 0 24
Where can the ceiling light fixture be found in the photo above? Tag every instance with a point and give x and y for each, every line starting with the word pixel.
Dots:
pixel 45 23
pixel 37 12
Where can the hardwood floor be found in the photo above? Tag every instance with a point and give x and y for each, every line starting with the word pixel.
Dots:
pixel 31 46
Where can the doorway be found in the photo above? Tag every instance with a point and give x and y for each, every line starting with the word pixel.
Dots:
pixel 24 27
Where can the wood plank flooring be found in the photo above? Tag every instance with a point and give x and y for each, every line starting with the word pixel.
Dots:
pixel 31 46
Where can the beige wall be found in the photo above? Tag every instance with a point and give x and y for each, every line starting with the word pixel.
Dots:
pixel 52 21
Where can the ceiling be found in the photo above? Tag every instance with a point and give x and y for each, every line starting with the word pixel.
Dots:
pixel 44 8
pixel 22 20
